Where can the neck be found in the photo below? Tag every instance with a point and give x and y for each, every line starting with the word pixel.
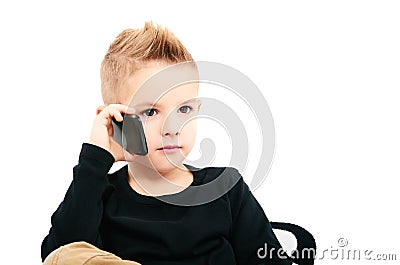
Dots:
pixel 149 181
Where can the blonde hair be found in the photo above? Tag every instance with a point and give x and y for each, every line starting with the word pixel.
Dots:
pixel 133 47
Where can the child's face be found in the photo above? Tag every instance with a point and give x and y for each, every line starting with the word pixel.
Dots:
pixel 163 123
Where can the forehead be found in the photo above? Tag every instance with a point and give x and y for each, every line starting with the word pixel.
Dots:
pixel 164 102
pixel 160 85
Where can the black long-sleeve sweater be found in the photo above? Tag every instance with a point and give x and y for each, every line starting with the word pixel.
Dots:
pixel 102 209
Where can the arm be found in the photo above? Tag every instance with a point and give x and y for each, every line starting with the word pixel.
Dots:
pixel 79 215
pixel 252 237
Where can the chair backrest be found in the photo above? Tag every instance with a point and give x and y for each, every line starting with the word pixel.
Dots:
pixel 306 247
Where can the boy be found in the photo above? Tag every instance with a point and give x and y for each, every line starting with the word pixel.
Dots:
pixel 122 213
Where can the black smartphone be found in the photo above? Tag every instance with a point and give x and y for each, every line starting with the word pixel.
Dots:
pixel 129 134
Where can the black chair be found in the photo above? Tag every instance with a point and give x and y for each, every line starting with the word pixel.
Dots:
pixel 306 247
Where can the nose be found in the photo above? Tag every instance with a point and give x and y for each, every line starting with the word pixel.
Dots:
pixel 169 132
pixel 170 127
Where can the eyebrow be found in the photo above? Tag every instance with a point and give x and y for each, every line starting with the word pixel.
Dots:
pixel 192 100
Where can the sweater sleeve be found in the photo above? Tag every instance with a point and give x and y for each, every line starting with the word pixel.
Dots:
pixel 79 215
pixel 252 237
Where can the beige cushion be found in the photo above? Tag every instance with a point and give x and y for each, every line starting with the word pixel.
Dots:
pixel 82 253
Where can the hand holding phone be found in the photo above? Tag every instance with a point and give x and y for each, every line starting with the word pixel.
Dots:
pixel 102 133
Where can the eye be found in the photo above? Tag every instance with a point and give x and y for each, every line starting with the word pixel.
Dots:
pixel 185 109
pixel 148 112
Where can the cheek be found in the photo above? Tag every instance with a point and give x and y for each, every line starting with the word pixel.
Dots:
pixel 151 133
pixel 188 133
pixel 190 127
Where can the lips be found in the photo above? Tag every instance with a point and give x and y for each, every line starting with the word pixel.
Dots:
pixel 169 147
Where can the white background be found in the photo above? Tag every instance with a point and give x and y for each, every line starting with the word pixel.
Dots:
pixel 329 71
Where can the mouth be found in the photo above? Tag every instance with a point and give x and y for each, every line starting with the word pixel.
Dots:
pixel 169 148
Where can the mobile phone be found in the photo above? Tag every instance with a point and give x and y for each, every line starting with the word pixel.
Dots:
pixel 129 134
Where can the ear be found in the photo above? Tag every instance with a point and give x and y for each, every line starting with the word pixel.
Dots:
pixel 99 109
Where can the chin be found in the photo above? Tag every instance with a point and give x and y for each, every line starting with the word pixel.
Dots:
pixel 168 163
pixel 165 168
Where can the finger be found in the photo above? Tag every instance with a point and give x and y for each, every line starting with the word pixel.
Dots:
pixel 116 111
pixel 122 108
pixel 110 111
pixel 118 115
